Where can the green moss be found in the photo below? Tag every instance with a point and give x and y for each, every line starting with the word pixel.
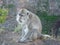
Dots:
pixel 3 15
pixel 10 6
pixel 47 21
pixel 41 14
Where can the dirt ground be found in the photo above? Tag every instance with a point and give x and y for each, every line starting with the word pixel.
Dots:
pixel 9 38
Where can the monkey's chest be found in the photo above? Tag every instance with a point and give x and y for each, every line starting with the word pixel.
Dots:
pixel 25 28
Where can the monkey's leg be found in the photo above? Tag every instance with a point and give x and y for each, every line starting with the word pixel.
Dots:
pixel 28 34
pixel 27 37
pixel 33 34
pixel 23 37
pixel 23 33
pixel 36 34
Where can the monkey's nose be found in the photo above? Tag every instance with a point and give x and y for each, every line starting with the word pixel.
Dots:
pixel 20 21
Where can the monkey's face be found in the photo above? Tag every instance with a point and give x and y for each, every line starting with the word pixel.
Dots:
pixel 24 16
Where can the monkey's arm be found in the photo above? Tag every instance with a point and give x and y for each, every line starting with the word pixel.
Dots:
pixel 25 31
pixel 17 19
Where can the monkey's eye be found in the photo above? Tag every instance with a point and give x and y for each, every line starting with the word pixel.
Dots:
pixel 20 14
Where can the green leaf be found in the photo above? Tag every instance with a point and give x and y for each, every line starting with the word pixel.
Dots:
pixel 3 15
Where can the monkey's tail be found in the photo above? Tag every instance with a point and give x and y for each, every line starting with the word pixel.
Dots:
pixel 44 37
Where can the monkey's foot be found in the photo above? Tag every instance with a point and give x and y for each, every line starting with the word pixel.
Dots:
pixel 21 41
pixel 25 41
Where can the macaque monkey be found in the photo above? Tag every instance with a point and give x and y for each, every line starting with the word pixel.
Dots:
pixel 31 25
